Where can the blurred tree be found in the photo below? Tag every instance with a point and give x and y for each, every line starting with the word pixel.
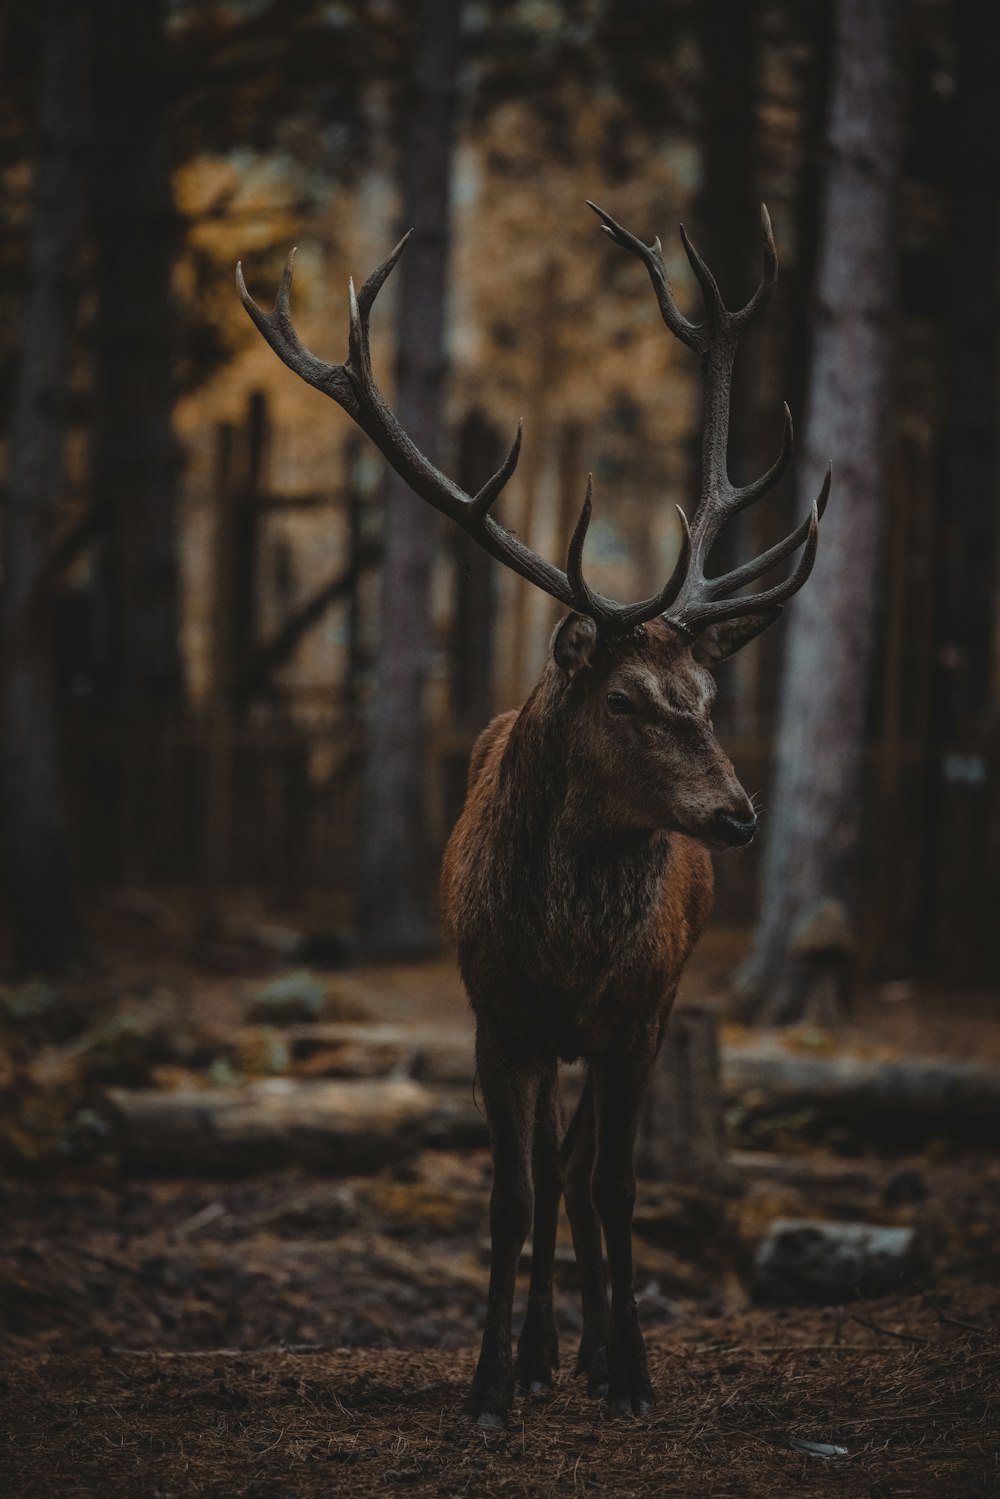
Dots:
pixel 37 866
pixel 728 210
pixel 136 459
pixel 963 681
pixel 815 817
pixel 396 897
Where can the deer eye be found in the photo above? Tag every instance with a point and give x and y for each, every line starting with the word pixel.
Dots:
pixel 619 703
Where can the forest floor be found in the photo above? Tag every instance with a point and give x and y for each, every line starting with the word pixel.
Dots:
pixel 288 1333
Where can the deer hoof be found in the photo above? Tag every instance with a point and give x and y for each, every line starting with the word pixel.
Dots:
pixel 595 1366
pixel 630 1405
pixel 631 1394
pixel 534 1376
pixel 490 1400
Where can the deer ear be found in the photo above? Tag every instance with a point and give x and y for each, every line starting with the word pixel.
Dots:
pixel 715 642
pixel 573 644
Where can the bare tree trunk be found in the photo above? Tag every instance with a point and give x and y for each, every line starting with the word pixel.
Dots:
pixel 136 459
pixel 40 891
pixel 729 208
pixel 966 544
pixel 396 896
pixel 816 801
pixel 480 453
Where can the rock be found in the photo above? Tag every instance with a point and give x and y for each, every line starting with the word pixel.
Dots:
pixel 125 1048
pixel 30 1000
pixel 290 999
pixel 800 1262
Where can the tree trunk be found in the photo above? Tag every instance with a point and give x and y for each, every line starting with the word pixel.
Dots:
pixel 729 209
pixel 966 545
pixel 136 459
pixel 480 453
pixel 396 878
pixel 816 817
pixel 46 932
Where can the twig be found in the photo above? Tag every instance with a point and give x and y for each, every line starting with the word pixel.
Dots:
pixel 904 1337
pixel 981 1332
pixel 272 1349
pixel 820 1347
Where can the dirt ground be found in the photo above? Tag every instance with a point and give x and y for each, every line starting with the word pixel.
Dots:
pixel 290 1334
pixel 286 1336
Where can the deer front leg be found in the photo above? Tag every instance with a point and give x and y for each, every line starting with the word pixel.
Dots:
pixel 624 1075
pixel 510 1091
pixel 538 1347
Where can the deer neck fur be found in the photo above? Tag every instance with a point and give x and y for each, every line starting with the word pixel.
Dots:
pixel 540 888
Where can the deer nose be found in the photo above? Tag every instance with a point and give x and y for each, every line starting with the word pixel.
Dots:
pixel 735 830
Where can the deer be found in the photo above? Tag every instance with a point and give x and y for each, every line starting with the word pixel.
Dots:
pixel 578 876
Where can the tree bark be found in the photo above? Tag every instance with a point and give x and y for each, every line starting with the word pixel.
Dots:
pixel 683 1137
pixel 963 685
pixel 136 458
pixel 816 818
pixel 396 877
pixel 39 886
pixel 729 209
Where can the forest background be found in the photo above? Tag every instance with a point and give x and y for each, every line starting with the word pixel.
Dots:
pixel 241 666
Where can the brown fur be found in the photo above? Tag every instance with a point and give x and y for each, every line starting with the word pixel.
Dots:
pixel 575 884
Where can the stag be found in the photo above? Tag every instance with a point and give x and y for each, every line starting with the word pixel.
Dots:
pixel 578 876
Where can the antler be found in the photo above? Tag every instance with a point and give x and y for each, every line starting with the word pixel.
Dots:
pixel 702 600
pixel 352 385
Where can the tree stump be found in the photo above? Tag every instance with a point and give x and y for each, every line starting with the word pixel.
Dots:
pixel 682 1136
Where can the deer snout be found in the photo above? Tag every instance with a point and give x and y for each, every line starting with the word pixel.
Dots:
pixel 735 829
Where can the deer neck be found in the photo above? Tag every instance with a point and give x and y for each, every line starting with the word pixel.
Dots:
pixel 562 835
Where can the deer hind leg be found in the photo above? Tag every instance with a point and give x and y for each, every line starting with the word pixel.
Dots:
pixel 624 1076
pixel 511 1090
pixel 538 1347
pixel 577 1160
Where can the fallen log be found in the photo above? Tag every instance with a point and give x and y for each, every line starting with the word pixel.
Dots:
pixel 930 1094
pixel 344 1127
pixel 426 1053
pixel 355 1124
pixel 906 1099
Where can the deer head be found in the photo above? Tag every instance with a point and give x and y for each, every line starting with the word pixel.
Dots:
pixel 635 679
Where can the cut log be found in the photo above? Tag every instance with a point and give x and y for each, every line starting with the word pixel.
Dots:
pixel 682 1137
pixel 345 1128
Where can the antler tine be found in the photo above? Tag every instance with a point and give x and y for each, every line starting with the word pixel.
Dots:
pixel 277 329
pixel 660 603
pixel 706 613
pixel 484 498
pixel 748 572
pixel 652 258
pixel 584 599
pixel 380 275
pixel 715 308
pixel 768 280
pixel 753 491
